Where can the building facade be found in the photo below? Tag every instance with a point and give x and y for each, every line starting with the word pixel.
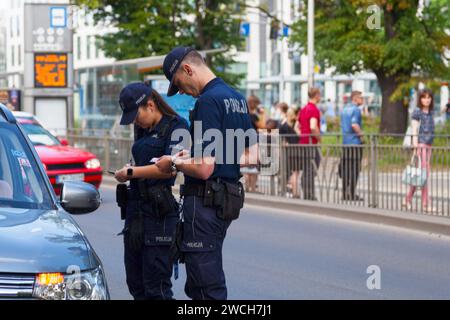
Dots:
pixel 14 23
pixel 274 70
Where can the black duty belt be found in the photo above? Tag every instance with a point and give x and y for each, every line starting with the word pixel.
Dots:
pixel 197 190
pixel 145 191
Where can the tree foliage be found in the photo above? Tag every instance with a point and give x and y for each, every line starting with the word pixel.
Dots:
pixel 153 27
pixel 408 46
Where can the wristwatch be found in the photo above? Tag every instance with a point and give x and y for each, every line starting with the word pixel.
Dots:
pixel 174 167
pixel 130 172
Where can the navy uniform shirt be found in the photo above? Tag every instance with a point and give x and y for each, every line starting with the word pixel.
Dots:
pixel 220 107
pixel 155 143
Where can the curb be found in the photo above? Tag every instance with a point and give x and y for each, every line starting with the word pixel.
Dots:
pixel 411 221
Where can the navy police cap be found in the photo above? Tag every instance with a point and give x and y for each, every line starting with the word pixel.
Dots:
pixel 172 63
pixel 131 97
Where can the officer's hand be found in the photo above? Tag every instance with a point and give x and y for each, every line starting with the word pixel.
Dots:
pixel 121 175
pixel 164 164
pixel 182 155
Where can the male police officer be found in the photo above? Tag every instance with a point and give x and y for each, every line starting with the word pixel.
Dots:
pixel 212 193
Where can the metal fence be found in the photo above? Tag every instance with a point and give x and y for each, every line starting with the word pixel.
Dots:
pixel 112 151
pixel 312 172
pixel 326 172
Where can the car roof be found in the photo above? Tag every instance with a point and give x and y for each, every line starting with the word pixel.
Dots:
pixel 6 114
pixel 22 114
pixel 28 117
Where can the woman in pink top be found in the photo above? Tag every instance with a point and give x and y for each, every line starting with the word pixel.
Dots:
pixel 423 128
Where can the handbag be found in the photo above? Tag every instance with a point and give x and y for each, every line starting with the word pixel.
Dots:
pixel 414 175
pixel 409 135
pixel 407 141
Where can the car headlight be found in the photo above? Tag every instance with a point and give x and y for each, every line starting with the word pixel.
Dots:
pixel 89 285
pixel 92 164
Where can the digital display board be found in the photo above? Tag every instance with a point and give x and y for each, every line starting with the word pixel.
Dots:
pixel 50 70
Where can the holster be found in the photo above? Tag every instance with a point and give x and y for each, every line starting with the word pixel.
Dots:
pixel 227 198
pixel 122 199
pixel 160 195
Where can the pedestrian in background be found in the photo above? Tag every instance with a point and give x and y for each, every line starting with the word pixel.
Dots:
pixel 258 119
pixel 309 120
pixel 291 150
pixel 283 107
pixel 423 136
pixel 275 112
pixel 446 111
pixel 350 165
pixel 257 112
pixel 331 109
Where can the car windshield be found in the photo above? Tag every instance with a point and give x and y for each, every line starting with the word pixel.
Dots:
pixel 21 183
pixel 38 135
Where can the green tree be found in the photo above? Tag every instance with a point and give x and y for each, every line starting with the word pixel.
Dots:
pixel 153 27
pixel 406 47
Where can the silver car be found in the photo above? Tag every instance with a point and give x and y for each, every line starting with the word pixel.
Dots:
pixel 43 252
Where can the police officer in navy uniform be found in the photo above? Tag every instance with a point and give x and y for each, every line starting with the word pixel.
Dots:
pixel 218 107
pixel 151 209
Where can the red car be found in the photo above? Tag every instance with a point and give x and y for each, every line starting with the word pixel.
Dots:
pixel 61 161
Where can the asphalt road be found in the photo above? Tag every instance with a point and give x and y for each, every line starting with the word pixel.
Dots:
pixel 277 254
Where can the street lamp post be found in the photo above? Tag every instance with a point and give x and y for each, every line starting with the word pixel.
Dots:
pixel 310 43
pixel 282 83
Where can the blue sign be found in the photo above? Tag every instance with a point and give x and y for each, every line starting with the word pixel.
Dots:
pixel 181 103
pixel 285 31
pixel 245 29
pixel 58 17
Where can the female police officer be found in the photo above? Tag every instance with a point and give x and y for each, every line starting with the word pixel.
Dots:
pixel 151 210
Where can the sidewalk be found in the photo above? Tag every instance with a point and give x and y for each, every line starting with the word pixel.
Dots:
pixel 431 224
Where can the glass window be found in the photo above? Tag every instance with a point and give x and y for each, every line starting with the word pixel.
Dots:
pixel 271 93
pixel 98 43
pixel 39 136
pixel 88 48
pixel 276 64
pixel 238 68
pixel 296 60
pixel 18 26
pixel 296 93
pixel 21 183
pixel 19 54
pixel 79 48
pixel 11 26
pixel 93 45
pixel 13 54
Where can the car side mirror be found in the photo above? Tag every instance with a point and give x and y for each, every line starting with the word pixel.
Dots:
pixel 64 142
pixel 79 197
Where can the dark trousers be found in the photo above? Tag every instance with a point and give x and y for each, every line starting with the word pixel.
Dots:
pixel 350 169
pixel 148 270
pixel 309 163
pixel 203 237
